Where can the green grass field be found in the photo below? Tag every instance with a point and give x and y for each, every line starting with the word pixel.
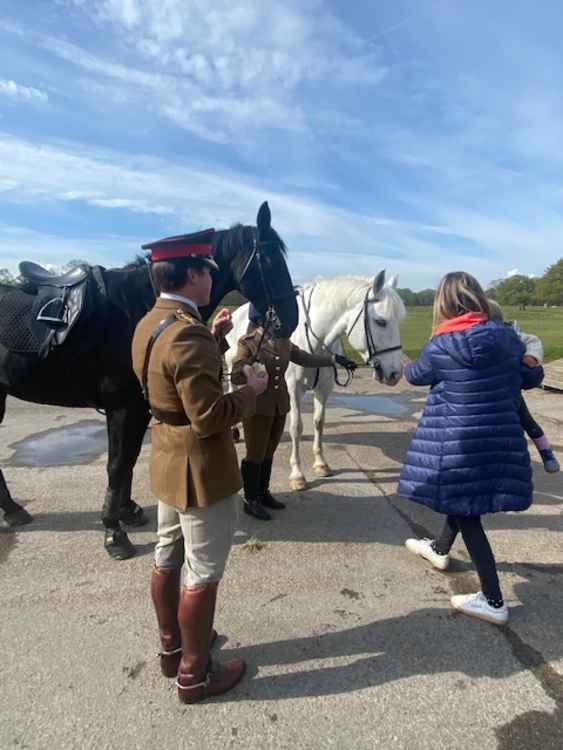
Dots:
pixel 547 323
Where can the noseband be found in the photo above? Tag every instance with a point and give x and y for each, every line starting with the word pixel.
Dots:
pixel 373 352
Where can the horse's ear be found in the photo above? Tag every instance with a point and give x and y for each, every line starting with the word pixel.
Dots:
pixel 378 283
pixel 264 218
pixel 393 282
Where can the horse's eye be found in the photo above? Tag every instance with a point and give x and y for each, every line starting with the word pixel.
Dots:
pixel 381 322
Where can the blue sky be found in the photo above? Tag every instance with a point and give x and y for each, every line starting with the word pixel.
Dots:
pixel 419 137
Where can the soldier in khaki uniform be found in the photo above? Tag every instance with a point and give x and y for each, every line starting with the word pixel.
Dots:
pixel 194 469
pixel 264 429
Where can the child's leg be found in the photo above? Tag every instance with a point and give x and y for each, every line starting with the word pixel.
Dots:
pixel 532 428
pixel 482 556
pixel 445 541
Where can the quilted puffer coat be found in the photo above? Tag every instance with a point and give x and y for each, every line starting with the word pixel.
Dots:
pixel 468 455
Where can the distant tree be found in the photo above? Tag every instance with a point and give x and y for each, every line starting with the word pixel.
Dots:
pixel 517 290
pixel 550 286
pixel 408 297
pixel 425 297
pixel 6 277
pixel 73 264
pixel 492 288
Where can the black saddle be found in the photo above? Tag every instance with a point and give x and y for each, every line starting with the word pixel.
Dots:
pixel 40 276
pixel 60 300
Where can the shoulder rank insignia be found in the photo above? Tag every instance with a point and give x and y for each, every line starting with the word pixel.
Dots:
pixel 182 315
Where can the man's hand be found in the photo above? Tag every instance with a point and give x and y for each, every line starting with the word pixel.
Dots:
pixel 530 361
pixel 258 383
pixel 222 323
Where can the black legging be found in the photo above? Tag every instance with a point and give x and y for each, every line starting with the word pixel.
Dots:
pixel 478 547
pixel 531 427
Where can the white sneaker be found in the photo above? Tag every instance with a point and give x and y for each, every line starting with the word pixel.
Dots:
pixel 476 605
pixel 423 547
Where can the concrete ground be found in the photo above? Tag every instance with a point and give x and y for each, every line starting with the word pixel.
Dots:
pixel 350 641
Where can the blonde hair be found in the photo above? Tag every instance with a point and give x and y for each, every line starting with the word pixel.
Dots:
pixel 495 311
pixel 459 293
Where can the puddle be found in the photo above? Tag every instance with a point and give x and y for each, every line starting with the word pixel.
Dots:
pixel 78 443
pixel 372 404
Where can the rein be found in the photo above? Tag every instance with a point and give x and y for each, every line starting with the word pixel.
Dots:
pixel 309 330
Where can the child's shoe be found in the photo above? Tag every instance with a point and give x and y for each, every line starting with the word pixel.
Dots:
pixel 476 605
pixel 423 547
pixel 550 463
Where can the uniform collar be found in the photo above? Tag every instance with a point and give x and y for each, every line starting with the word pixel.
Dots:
pixel 165 303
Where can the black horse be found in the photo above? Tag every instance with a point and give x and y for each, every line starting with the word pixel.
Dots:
pixel 250 259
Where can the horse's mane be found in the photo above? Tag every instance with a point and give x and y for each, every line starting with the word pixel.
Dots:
pixel 240 236
pixel 391 305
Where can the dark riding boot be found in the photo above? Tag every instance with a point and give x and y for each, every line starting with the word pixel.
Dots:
pixel 251 480
pixel 165 593
pixel 265 496
pixel 197 677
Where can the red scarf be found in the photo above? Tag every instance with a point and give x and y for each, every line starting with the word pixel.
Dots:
pixel 461 323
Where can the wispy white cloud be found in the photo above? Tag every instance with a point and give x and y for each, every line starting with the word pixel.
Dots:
pixel 20 93
pixel 319 233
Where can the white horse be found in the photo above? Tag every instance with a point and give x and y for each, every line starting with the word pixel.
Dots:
pixel 368 312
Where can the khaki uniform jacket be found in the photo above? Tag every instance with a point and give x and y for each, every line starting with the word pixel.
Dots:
pixel 275 355
pixel 191 465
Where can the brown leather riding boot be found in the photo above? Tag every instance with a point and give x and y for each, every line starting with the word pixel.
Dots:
pixel 197 677
pixel 165 593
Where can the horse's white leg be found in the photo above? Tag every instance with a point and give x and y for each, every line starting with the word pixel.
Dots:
pixel 296 477
pixel 320 466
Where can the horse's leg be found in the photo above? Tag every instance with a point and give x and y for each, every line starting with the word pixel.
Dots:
pixel 296 477
pixel 320 466
pixel 14 514
pixel 126 428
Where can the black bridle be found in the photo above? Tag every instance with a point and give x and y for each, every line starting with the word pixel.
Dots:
pixel 373 352
pixel 271 318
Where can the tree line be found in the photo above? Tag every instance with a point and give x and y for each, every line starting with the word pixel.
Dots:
pixel 518 290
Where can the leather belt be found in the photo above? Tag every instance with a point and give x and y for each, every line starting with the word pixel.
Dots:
pixel 174 419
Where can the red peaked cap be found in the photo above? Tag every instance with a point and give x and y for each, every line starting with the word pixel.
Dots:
pixel 196 245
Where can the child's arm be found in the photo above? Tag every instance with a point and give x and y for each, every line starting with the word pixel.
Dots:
pixel 533 344
pixel 531 376
pixel 421 372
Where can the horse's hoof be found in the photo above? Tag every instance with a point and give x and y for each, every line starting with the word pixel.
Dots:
pixel 322 470
pixel 133 515
pixel 117 544
pixel 297 484
pixel 18 517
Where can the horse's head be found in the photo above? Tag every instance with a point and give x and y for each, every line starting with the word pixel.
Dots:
pixel 252 260
pixel 373 328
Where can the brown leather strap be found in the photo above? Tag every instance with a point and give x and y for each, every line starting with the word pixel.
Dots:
pixel 162 326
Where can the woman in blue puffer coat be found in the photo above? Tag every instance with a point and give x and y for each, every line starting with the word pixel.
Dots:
pixel 468 455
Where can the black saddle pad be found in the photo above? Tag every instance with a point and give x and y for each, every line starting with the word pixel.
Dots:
pixel 22 333
pixel 17 332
